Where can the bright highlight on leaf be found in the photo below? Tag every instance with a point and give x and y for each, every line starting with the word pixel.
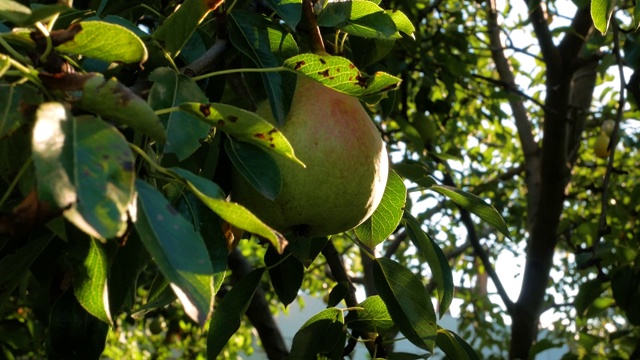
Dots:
pixel 601 11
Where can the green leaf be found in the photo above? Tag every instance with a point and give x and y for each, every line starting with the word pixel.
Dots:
pixel 386 217
pixel 160 295
pixel 416 172
pixel 289 10
pixel 176 30
pixel 226 319
pixel 90 284
pixel 15 266
pixel 11 96
pixel 286 274
pixel 307 249
pixel 403 24
pixel 588 292
pixel 85 166
pixel 324 334
pixel 407 301
pixel 359 17
pixel 436 259
pixel 256 166
pixel 601 11
pixel 341 75
pixel 243 125
pixel 454 346
pixel 374 316
pixel 184 131
pixel 21 15
pixel 114 101
pixel 338 293
pixel 267 44
pixel 369 51
pixel 235 214
pixel 105 41
pixel 474 205
pixel 179 252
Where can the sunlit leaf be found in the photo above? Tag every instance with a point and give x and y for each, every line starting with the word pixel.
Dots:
pixel 601 11
pixel 474 205
pixel 341 75
pixel 386 217
pixel 90 286
pixel 105 41
pixel 436 259
pixel 373 317
pixel 243 125
pixel 179 251
pixel 407 301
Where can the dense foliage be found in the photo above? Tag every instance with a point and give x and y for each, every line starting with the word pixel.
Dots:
pixel 122 121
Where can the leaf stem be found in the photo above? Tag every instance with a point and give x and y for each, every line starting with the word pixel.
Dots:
pixel 148 159
pixel 47 35
pixel 13 51
pixel 15 180
pixel 234 71
pixel 167 110
pixel 285 257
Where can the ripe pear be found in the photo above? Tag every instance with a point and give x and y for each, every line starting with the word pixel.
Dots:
pixel 607 127
pixel 346 165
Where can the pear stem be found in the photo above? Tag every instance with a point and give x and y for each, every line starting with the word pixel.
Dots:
pixel 316 38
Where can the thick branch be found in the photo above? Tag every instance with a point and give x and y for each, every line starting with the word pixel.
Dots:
pixel 574 39
pixel 259 313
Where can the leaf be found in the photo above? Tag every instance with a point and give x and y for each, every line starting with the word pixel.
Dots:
pixel 226 319
pixel 341 75
pixel 601 11
pixel 85 166
pixel 235 214
pixel 359 17
pixel 243 125
pixel 105 41
pixel 324 334
pixel 13 97
pixel 73 333
pixel 338 293
pixel 387 216
pixel 130 260
pixel 454 346
pixel 307 249
pixel 403 24
pixel 160 295
pixel 267 44
pixel 436 259
pixel 289 10
pixel 90 284
pixel 374 316
pixel 15 266
pixel 256 166
pixel 588 292
pixel 112 100
pixel 21 15
pixel 184 131
pixel 407 301
pixel 176 30
pixel 179 252
pixel 416 172
pixel 474 205
pixel 286 274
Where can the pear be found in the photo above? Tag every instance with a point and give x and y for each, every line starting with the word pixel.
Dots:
pixel 346 165
pixel 601 146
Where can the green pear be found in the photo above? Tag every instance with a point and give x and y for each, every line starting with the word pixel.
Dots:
pixel 346 165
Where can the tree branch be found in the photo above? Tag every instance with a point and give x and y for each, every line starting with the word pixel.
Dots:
pixel 259 313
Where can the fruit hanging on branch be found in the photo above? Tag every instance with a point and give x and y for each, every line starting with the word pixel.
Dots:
pixel 346 165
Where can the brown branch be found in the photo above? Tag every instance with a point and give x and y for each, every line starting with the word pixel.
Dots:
pixel 317 44
pixel 480 252
pixel 339 272
pixel 581 26
pixel 538 19
pixel 602 222
pixel 259 312
pixel 207 60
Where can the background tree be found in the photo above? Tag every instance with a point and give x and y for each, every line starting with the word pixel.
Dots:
pixel 116 120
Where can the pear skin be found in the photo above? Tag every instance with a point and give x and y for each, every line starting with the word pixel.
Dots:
pixel 346 166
